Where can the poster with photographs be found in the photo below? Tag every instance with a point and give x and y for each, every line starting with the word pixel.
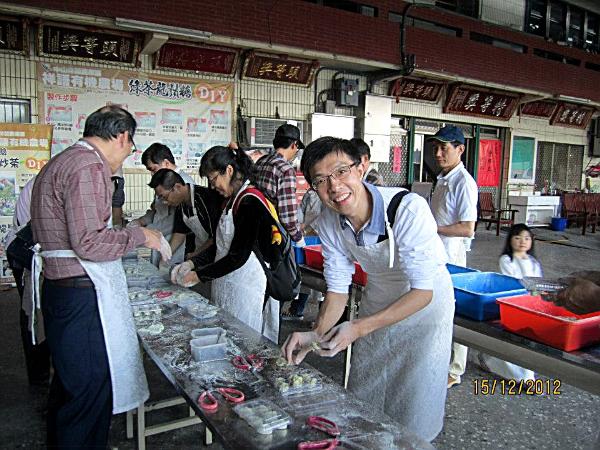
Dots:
pixel 188 115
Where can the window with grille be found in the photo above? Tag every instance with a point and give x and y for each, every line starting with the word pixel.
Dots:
pixel 560 164
pixel 15 111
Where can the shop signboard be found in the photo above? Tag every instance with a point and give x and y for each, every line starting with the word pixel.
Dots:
pixel 13 35
pixel 416 89
pixel 473 101
pixel 542 109
pixel 188 115
pixel 81 43
pixel 279 69
pixel 572 116
pixel 24 150
pixel 197 58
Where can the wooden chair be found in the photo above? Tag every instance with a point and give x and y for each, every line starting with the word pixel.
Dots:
pixel 591 204
pixel 573 209
pixel 487 212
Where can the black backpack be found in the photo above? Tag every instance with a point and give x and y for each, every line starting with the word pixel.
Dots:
pixel 19 250
pixel 283 276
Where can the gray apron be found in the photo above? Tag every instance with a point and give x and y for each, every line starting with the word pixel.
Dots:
pixel 241 293
pixel 402 369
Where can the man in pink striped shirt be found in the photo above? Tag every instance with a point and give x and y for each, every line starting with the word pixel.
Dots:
pixel 70 210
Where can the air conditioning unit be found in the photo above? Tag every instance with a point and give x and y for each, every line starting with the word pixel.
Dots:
pixel 595 138
pixel 261 131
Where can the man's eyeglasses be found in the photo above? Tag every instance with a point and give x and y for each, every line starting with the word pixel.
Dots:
pixel 133 146
pixel 165 194
pixel 340 173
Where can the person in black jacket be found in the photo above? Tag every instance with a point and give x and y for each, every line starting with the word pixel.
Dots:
pixel 238 281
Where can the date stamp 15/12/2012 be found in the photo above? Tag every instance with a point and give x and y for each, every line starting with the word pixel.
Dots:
pixel 484 386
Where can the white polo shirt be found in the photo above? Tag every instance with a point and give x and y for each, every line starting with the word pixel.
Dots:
pixel 454 198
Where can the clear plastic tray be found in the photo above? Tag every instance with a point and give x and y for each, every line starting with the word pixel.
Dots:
pixel 141 312
pixel 201 310
pixel 301 382
pixel 312 403
pixel 263 416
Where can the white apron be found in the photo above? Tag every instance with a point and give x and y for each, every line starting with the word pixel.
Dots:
pixel 129 384
pixel 402 369
pixel 242 292
pixel 163 220
pixel 193 223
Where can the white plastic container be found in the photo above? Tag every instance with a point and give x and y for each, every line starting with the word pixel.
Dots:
pixel 210 346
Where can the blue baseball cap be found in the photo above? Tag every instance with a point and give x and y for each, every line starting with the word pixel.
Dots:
pixel 449 133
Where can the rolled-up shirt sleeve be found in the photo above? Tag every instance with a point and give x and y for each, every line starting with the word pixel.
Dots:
pixel 418 246
pixel 338 268
pixel 87 210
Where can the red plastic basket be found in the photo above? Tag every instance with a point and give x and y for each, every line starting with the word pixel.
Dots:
pixel 314 258
pixel 545 322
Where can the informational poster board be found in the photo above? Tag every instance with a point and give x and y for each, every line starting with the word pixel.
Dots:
pixel 522 160
pixel 188 115
pixel 24 150
pixel 488 172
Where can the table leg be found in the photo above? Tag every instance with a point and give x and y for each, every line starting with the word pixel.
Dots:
pixel 208 437
pixel 141 428
pixel 350 316
pixel 129 424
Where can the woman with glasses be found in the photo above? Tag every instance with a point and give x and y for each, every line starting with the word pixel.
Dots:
pixel 239 283
pixel 404 331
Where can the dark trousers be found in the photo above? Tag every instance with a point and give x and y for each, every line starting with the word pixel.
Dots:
pixel 80 401
pixel 37 357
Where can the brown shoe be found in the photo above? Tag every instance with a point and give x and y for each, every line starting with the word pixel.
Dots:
pixel 453 380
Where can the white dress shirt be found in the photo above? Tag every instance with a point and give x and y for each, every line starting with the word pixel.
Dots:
pixel 520 267
pixel 22 213
pixel 418 246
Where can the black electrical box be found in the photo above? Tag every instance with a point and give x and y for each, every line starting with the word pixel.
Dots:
pixel 346 92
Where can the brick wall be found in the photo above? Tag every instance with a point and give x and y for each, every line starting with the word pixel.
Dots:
pixel 301 24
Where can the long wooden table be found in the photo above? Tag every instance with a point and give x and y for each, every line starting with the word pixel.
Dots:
pixel 361 425
pixel 580 369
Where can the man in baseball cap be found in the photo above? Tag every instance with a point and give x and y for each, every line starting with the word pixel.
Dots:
pixel 288 131
pixel 454 207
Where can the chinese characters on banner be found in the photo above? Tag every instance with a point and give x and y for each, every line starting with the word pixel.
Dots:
pixel 572 116
pixel 196 58
pixel 416 89
pixel 488 172
pixel 189 116
pixel 397 160
pixel 272 68
pixel 538 109
pixel 13 35
pixel 24 149
pixel 83 44
pixel 471 101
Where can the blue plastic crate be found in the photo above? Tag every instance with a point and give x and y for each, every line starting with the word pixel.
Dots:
pixel 476 293
pixel 459 269
pixel 299 252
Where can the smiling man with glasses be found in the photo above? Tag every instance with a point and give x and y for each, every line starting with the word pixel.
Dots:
pixel 404 333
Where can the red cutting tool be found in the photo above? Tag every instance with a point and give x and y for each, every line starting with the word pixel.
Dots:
pixel 251 362
pixel 325 425
pixel 208 402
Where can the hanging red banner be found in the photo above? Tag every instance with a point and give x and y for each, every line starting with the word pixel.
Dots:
pixel 397 161
pixel 488 172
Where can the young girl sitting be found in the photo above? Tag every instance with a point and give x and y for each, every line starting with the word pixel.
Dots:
pixel 517 261
pixel 518 258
